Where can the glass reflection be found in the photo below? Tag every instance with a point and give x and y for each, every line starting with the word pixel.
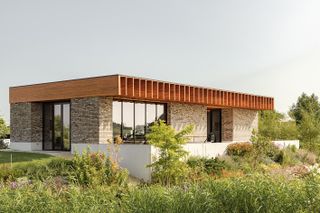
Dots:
pixel 127 119
pixel 116 118
pixel 140 120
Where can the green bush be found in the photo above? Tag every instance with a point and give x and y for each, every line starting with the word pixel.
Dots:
pixel 92 169
pixel 239 149
pixel 211 166
pixel 169 168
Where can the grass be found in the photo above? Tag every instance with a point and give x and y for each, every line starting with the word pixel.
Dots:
pixel 5 156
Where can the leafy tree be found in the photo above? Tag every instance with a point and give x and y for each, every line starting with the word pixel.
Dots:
pixel 305 104
pixel 309 132
pixel 169 168
pixel 273 126
pixel 4 129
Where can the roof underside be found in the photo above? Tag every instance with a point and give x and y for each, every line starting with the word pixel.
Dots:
pixel 139 89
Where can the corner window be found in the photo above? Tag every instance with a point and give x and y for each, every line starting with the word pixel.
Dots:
pixel 132 120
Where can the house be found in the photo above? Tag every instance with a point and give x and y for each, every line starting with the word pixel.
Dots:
pixel 70 115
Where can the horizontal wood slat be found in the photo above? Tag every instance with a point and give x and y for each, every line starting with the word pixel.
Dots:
pixel 139 89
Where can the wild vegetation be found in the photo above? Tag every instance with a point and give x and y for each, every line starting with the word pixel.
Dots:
pixel 253 176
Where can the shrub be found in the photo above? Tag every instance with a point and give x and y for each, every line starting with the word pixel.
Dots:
pixel 169 168
pixel 211 166
pixel 239 149
pixel 306 156
pixel 92 169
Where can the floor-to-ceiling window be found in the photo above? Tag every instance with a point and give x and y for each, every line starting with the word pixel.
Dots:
pixel 132 120
pixel 56 126
pixel 214 125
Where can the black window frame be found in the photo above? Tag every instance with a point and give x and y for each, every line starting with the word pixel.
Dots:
pixel 134 119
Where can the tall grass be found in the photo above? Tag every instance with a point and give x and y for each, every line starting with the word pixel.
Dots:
pixel 246 194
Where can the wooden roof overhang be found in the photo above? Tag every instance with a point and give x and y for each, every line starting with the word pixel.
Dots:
pixel 127 87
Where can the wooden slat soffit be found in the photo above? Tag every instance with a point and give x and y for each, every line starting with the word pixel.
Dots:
pixel 128 87
pixel 154 90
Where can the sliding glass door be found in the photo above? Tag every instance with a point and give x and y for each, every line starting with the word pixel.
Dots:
pixel 56 126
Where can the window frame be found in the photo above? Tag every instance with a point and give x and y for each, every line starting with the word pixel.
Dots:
pixel 134 117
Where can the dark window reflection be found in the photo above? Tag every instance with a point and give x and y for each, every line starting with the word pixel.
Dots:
pixel 116 118
pixel 132 120
pixel 151 115
pixel 66 127
pixel 57 127
pixel 140 115
pixel 127 121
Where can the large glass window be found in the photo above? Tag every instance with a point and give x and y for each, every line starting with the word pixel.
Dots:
pixel 132 120
pixel 127 121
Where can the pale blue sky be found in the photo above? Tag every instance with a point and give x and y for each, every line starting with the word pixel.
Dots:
pixel 268 47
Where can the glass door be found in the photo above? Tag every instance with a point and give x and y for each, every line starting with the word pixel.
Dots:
pixel 214 125
pixel 56 131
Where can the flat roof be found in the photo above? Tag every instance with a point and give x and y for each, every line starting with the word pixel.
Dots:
pixel 136 88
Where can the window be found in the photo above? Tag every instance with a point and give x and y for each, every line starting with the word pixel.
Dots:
pixel 132 120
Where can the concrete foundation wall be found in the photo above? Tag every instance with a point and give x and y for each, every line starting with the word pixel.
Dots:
pixel 180 115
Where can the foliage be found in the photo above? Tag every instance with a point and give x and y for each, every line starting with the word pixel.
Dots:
pixel 210 166
pixel 169 168
pixel 239 149
pixel 4 129
pixel 273 126
pixel 92 169
pixel 255 193
pixel 305 105
pixel 35 170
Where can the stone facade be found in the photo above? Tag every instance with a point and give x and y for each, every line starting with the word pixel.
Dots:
pixel 26 122
pixel 180 115
pixel 244 122
pixel 91 120
pixel 238 124
pixel 227 124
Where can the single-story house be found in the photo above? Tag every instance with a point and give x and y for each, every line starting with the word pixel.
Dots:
pixel 70 115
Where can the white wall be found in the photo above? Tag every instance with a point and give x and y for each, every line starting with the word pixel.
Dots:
pixel 25 146
pixel 134 157
pixel 284 144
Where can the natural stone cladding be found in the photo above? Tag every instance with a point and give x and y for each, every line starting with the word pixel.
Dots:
pixel 238 124
pixel 180 115
pixel 26 122
pixel 91 120
pixel 244 122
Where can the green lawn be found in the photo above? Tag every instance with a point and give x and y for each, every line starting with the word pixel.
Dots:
pixel 5 156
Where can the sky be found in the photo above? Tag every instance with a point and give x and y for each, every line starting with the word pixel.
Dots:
pixel 268 47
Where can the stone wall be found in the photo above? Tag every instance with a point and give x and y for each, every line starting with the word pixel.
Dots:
pixel 91 120
pixel 244 122
pixel 227 124
pixel 238 124
pixel 26 122
pixel 180 115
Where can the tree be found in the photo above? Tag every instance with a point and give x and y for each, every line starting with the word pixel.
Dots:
pixel 273 126
pixel 169 168
pixel 4 129
pixel 305 104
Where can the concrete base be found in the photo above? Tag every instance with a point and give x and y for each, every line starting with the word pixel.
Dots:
pixel 26 146
pixel 134 157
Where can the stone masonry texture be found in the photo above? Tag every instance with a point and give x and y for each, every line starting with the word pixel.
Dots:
pixel 91 120
pixel 180 115
pixel 238 124
pixel 26 122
